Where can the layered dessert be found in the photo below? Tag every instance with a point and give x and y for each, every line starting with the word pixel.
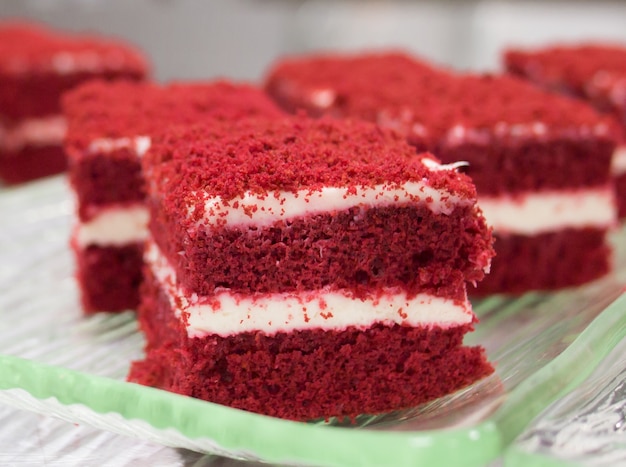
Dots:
pixel 541 162
pixel 37 66
pixel 306 269
pixel 110 127
pixel 593 72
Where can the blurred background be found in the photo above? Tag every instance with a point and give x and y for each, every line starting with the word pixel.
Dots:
pixel 240 38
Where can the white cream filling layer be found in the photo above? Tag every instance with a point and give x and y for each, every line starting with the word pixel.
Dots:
pixel 264 210
pixel 43 131
pixel 227 313
pixel 536 213
pixel 115 226
pixel 618 163
pixel 137 144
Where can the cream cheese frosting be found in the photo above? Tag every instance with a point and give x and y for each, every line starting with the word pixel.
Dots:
pixel 539 212
pixel 138 144
pixel 40 131
pixel 114 226
pixel 252 209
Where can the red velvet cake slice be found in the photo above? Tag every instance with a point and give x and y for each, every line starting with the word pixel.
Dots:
pixel 36 66
pixel 110 126
pixel 540 162
pixel 307 269
pixel 594 72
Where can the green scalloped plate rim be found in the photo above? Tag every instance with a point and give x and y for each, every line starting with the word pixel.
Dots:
pixel 282 441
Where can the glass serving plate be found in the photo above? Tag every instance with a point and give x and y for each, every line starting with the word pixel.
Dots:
pixel 53 361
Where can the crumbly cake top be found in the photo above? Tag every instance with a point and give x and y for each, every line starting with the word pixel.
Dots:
pixel 576 65
pixel 369 70
pixel 400 91
pixel 356 85
pixel 260 156
pixel 26 48
pixel 119 109
pixel 485 101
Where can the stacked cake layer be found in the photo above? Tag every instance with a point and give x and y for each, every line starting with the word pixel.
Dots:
pixel 593 72
pixel 110 127
pixel 307 269
pixel 36 67
pixel 541 163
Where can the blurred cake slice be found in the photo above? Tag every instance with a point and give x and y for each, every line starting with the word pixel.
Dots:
pixel 593 72
pixel 540 162
pixel 306 269
pixel 37 65
pixel 110 127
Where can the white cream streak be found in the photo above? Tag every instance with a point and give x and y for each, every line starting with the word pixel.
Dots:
pixel 535 213
pixel 114 226
pixel 618 163
pixel 251 209
pixel 41 131
pixel 138 144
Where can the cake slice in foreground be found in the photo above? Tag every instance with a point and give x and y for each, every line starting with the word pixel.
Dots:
pixel 37 65
pixel 541 162
pixel 110 126
pixel 306 269
pixel 593 72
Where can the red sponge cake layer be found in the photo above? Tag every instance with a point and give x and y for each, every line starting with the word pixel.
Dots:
pixel 111 126
pixel 31 162
pixel 37 66
pixel 284 253
pixel 540 263
pixel 110 276
pixel 541 163
pixel 319 249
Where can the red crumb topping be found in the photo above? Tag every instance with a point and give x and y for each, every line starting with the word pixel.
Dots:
pixel 291 154
pixel 354 85
pixel 401 92
pixel 25 48
pixel 575 66
pixel 101 109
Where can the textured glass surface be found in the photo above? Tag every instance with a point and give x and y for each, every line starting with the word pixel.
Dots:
pixel 586 427
pixel 54 361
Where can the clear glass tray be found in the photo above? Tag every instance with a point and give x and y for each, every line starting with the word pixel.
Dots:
pixel 54 361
